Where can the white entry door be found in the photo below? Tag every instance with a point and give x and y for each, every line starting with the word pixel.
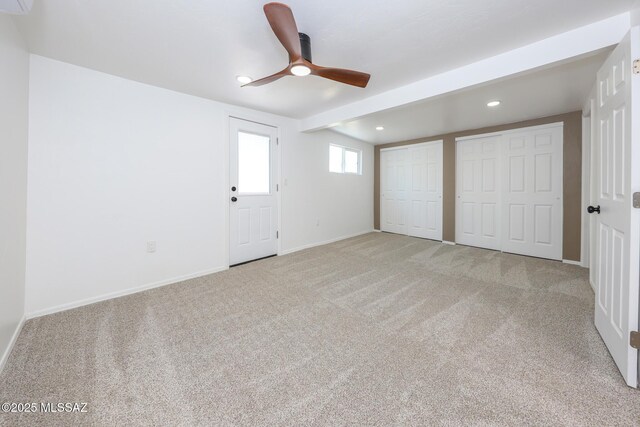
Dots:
pixel 254 206
pixel 532 192
pixel 618 223
pixel 411 190
pixel 478 192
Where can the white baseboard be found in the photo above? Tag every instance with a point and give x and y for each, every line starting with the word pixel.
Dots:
pixel 446 242
pixel 568 261
pixel 325 242
pixel 12 342
pixel 376 231
pixel 111 295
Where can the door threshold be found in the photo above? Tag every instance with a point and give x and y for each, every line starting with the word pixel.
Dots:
pixel 252 260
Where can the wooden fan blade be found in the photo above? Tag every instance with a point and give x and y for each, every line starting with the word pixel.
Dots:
pixel 284 26
pixel 269 79
pixel 350 77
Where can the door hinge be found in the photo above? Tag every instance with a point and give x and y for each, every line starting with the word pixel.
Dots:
pixel 277 187
pixel 277 141
pixel 634 340
pixel 636 66
pixel 277 234
pixel 636 200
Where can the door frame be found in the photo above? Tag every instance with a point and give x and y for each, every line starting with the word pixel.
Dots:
pixel 588 182
pixel 227 179
pixel 406 147
pixel 420 144
pixel 589 185
pixel 585 241
pixel 509 131
pixel 500 156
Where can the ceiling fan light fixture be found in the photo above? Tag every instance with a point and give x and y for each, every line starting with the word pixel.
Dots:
pixel 300 70
pixel 244 79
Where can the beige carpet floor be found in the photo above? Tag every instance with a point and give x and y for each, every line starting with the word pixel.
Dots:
pixel 375 330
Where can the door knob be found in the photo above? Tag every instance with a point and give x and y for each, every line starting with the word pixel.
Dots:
pixel 234 199
pixel 591 209
pixel 233 188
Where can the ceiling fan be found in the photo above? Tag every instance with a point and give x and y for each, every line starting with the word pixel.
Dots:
pixel 298 45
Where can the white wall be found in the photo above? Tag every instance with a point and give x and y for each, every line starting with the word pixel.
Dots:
pixel 14 89
pixel 319 205
pixel 114 163
pixel 635 14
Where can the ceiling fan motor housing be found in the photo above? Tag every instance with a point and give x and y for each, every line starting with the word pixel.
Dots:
pixel 305 44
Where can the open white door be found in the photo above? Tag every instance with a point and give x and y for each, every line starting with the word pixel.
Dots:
pixel 617 225
pixel 253 210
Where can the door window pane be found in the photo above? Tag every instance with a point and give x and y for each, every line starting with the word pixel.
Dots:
pixel 253 163
pixel 335 159
pixel 350 161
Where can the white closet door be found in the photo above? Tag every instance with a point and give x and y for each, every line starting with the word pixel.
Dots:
pixel 478 192
pixel 394 185
pixel 425 196
pixel 532 192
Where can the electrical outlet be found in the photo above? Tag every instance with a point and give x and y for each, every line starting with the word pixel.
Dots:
pixel 151 246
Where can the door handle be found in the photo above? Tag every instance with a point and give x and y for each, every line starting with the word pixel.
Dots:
pixel 591 209
pixel 234 199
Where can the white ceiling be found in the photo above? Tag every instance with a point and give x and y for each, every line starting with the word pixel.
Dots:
pixel 199 46
pixel 552 90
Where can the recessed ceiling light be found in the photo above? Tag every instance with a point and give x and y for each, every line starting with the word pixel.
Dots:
pixel 244 79
pixel 379 127
pixel 493 103
pixel 300 70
